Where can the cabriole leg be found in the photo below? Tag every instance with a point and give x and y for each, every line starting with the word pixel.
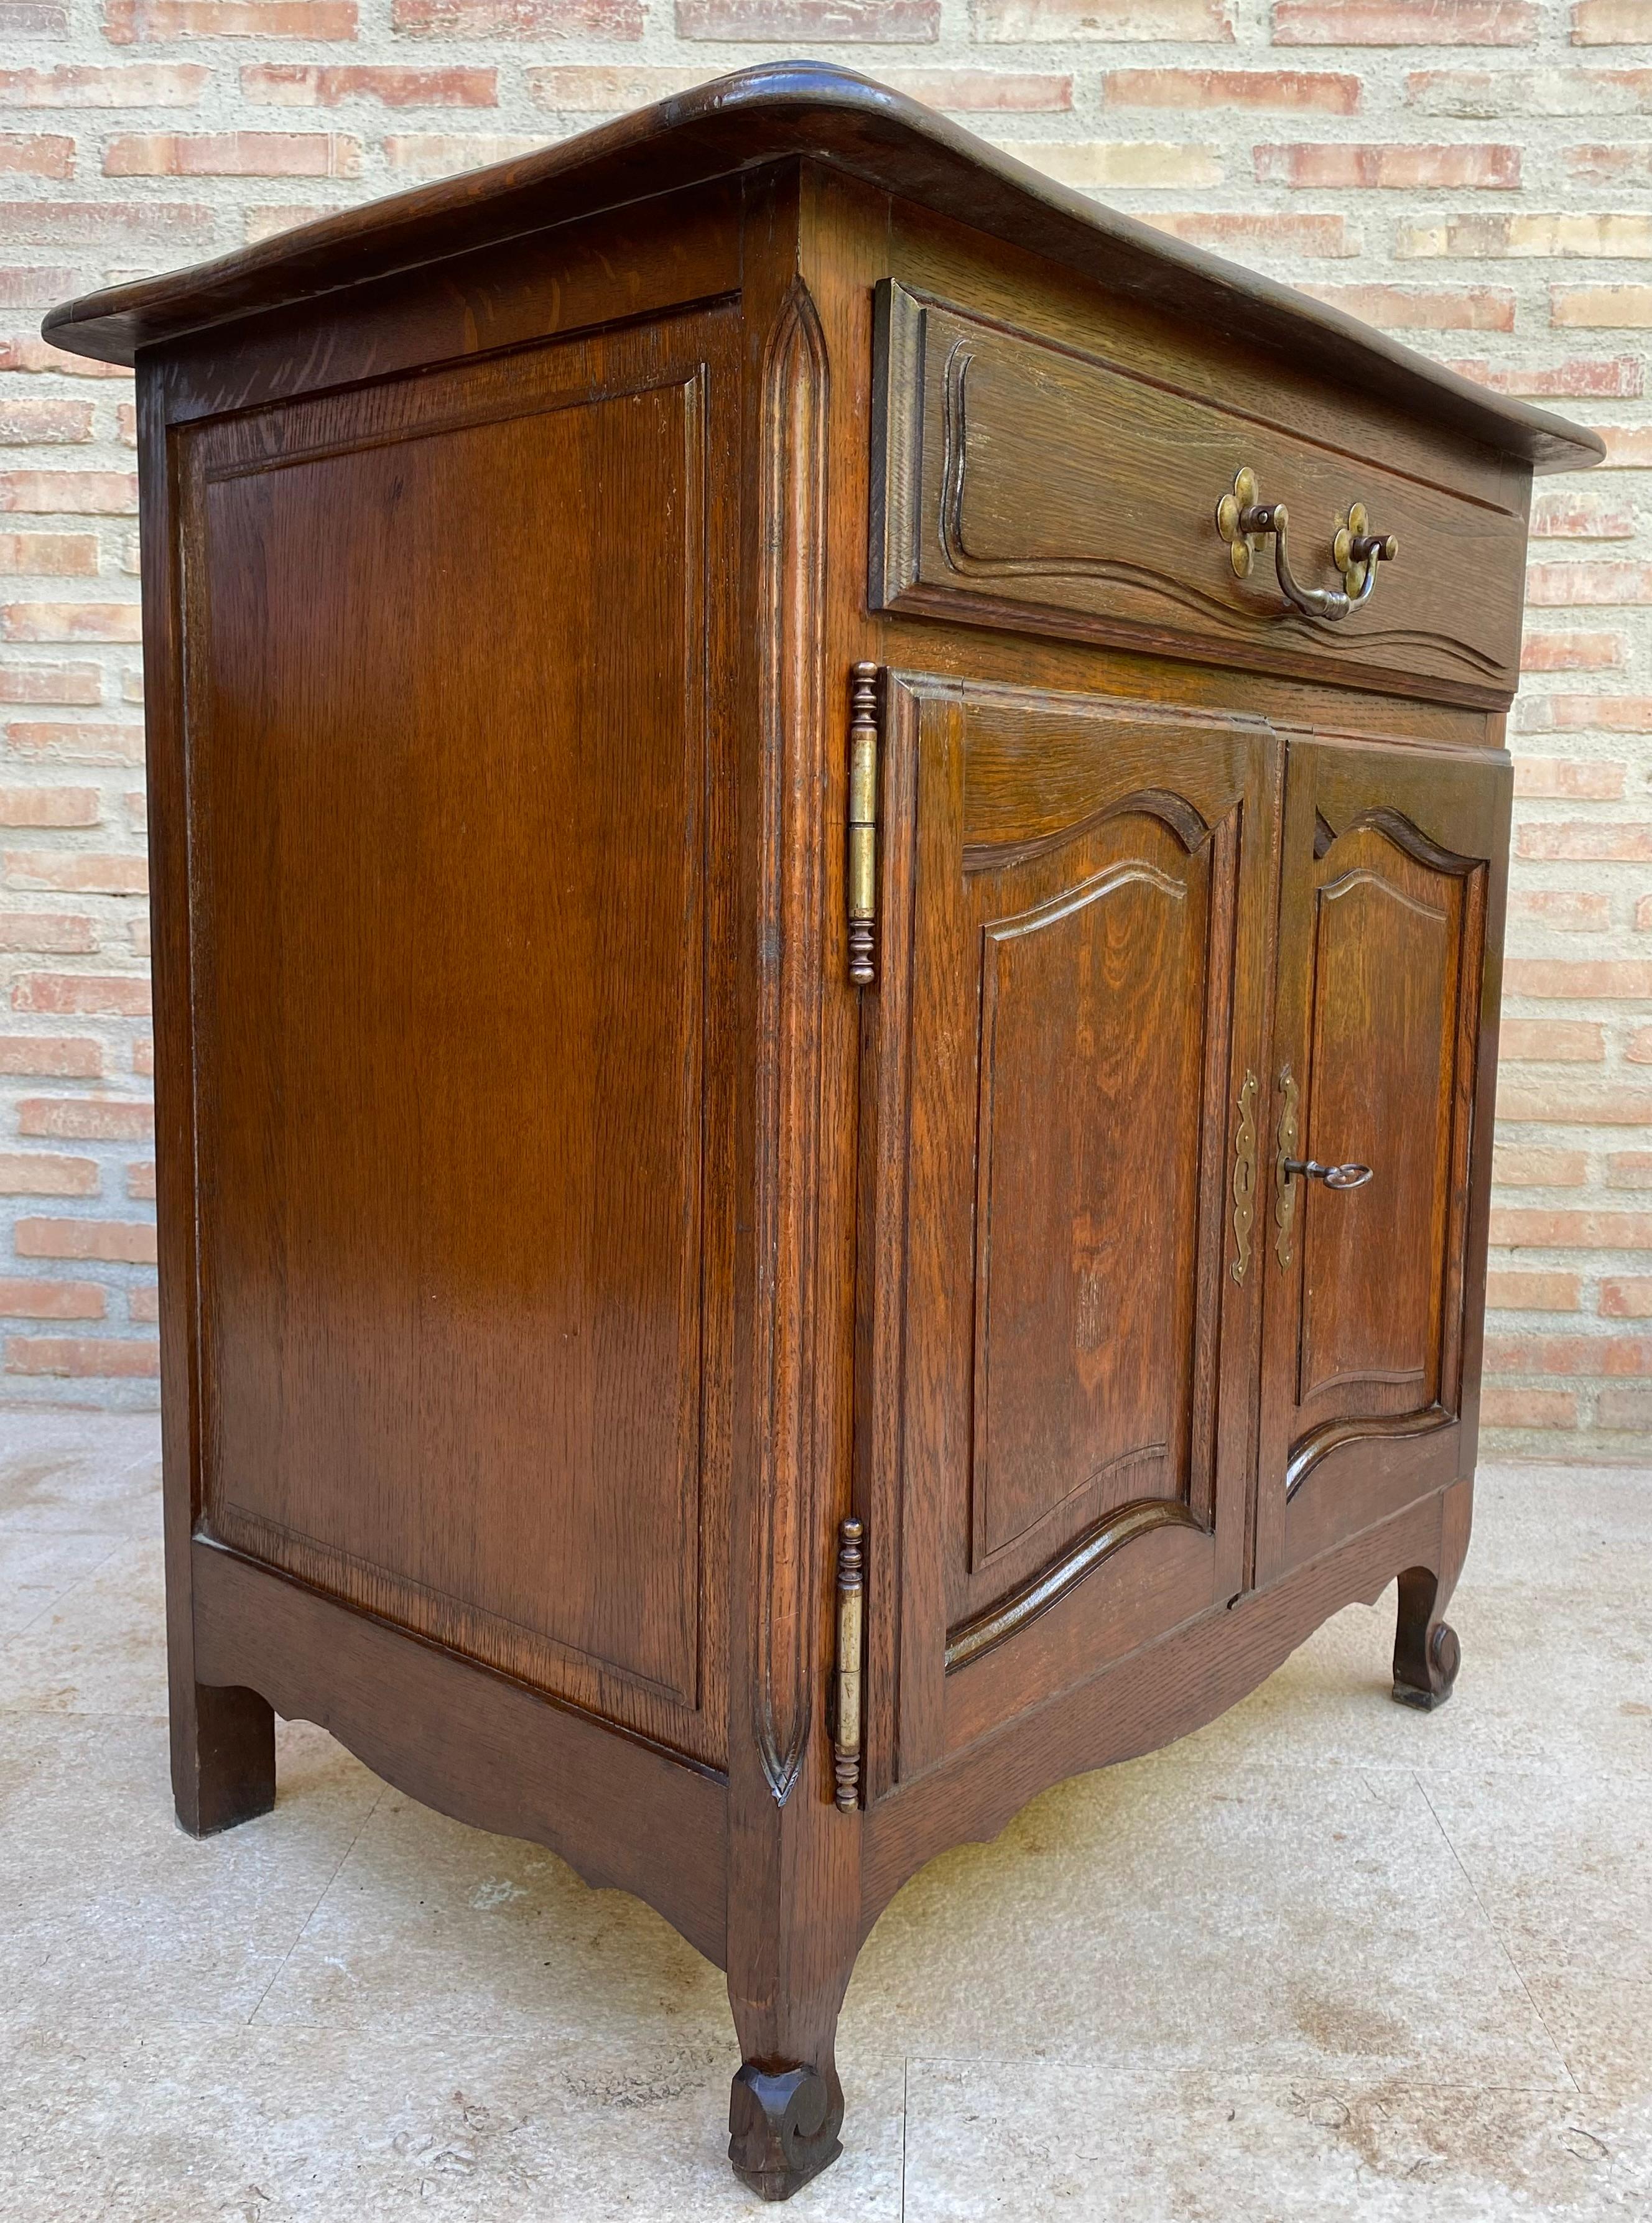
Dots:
pixel 1426 1651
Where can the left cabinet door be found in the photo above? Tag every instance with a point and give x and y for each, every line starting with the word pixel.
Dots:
pixel 459 749
pixel 1064 1113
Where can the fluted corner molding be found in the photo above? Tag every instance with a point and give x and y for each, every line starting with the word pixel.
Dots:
pixel 791 619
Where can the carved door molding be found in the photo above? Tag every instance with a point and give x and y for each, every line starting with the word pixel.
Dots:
pixel 1059 1169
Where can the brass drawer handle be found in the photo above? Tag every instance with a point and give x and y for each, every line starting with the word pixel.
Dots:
pixel 1244 522
pixel 1349 1176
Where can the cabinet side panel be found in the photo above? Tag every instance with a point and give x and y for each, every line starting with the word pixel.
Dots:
pixel 453 655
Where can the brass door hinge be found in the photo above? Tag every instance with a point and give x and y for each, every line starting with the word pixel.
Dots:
pixel 862 861
pixel 846 1697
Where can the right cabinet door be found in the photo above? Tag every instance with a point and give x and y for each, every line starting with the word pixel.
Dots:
pixel 1384 1057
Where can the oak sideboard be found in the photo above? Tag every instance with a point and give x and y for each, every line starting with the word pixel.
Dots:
pixel 828 836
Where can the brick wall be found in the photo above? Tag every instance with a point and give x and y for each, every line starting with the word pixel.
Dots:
pixel 1476 174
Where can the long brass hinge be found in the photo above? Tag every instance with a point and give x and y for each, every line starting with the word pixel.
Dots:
pixel 846 1706
pixel 862 858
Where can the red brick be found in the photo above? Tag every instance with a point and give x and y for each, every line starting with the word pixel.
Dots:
pixel 1609 165
pixel 126 423
pixel 1596 378
pixel 1602 308
pixel 33 19
pixel 444 154
pixel 50 806
pixel 82 1357
pixel 1553 1104
pixel 109 225
pixel 965 91
pixel 616 88
pixel 101 621
pixel 1518 1168
pixel 1580 586
pixel 1628 1298
pixel 85 995
pixel 524 19
pixel 1582 517
pixel 35 286
pixel 1404 23
pixel 1323 92
pixel 1434 309
pixel 70 494
pixel 1575 778
pixel 143 1304
pixel 77 872
pixel 1611 23
pixel 79 684
pixel 49 555
pixel 1557 976
pixel 61 1300
pixel 316 85
pixel 29 352
pixel 1497 94
pixel 1341 167
pixel 27 423
pixel 1628 1409
pixel 143 1055
pixel 85 1119
pixel 48 933
pixel 1569 1354
pixel 1577 231
pixel 140 1180
pixel 1532 1292
pixel 1629 1169
pixel 787 22
pixel 78 744
pixel 1541 1229
pixel 1639 1048
pixel 39 1173
pixel 1563 910
pixel 1586 843
pixel 37 154
pixel 1239 234
pixel 1529 1408
pixel 131 22
pixel 1628 447
pixel 232 154
pixel 1572 652
pixel 1190 20
pixel 126 1243
pixel 55 1057
pixel 134 85
pixel 1553 1041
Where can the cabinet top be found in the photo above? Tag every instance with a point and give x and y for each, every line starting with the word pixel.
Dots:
pixel 849 123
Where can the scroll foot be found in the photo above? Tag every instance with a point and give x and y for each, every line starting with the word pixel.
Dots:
pixel 783 2126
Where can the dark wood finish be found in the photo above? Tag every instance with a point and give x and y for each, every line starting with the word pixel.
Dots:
pixel 1021 483
pixel 1390 906
pixel 580 1284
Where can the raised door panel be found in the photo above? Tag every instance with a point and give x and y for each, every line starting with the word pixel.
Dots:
pixel 457 649
pixel 1071 992
pixel 1391 889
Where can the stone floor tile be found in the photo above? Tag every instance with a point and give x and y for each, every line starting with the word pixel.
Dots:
pixel 1561 1862
pixel 1151 1915
pixel 111 1912
pixel 40 1566
pixel 289 2124
pixel 1601 2021
pixel 71 1470
pixel 100 1649
pixel 1079 2141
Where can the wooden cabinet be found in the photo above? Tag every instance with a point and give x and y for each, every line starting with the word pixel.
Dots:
pixel 828 835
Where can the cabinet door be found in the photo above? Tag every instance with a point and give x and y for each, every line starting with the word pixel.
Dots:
pixel 1063 1258
pixel 1384 1055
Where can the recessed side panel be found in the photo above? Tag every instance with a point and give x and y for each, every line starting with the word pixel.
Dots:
pixel 454 652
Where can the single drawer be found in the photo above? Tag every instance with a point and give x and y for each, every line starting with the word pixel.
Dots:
pixel 1020 482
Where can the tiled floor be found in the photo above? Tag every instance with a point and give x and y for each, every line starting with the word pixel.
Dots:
pixel 1326 1958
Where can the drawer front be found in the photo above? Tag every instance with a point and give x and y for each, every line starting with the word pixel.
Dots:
pixel 1017 483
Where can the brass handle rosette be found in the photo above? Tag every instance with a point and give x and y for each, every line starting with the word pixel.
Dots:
pixel 1244 524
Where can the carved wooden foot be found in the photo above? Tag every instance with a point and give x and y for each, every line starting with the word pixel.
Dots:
pixel 223 1758
pixel 783 2126
pixel 1426 1651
